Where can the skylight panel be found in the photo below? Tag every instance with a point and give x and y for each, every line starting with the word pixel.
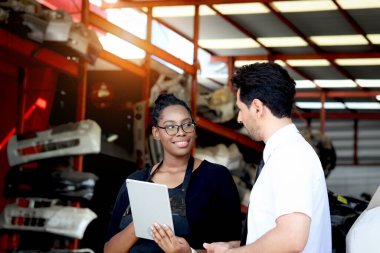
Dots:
pixel 339 40
pixel 336 83
pixel 359 4
pixel 239 64
pixel 242 8
pixel 304 6
pixel 363 105
pixel 228 43
pixel 374 38
pixel 318 105
pixel 282 41
pixel 358 62
pixel 128 19
pixel 308 63
pixel 304 84
pixel 119 47
pixel 181 11
pixel 368 83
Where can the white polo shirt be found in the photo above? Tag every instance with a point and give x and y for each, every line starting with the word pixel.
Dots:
pixel 292 180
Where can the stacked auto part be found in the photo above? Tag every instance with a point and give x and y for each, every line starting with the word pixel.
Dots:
pixel 44 189
pixel 54 28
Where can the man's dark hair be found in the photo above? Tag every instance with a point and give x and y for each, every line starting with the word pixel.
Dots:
pixel 269 83
pixel 164 100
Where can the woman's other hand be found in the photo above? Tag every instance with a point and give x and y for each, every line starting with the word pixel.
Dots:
pixel 168 242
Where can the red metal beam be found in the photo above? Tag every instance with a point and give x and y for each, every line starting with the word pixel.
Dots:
pixel 107 26
pixel 8 69
pixel 124 64
pixel 23 49
pixel 229 133
pixel 194 83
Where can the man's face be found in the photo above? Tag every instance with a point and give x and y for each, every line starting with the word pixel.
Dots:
pixel 247 116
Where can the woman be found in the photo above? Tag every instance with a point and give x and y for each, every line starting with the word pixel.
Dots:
pixel 204 199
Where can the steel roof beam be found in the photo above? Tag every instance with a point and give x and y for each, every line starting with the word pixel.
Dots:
pixel 310 43
pixel 355 25
pixel 241 29
pixel 250 35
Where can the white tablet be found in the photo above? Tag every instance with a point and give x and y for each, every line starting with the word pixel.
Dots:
pixel 149 204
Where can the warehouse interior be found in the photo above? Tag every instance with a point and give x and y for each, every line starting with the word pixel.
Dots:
pixel 89 70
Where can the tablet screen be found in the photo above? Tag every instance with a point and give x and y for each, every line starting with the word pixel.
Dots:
pixel 149 204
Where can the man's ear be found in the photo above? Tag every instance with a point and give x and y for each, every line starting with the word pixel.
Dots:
pixel 257 105
pixel 155 133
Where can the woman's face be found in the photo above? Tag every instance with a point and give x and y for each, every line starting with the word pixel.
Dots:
pixel 182 142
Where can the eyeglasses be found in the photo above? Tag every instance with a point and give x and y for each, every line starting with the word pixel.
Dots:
pixel 173 129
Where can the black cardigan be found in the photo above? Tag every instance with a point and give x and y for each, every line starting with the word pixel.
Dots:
pixel 212 205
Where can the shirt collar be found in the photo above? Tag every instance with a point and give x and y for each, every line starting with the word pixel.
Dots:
pixel 277 139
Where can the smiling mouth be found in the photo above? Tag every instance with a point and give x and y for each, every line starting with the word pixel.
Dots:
pixel 181 144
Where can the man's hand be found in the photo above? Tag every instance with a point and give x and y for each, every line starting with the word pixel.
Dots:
pixel 168 242
pixel 217 247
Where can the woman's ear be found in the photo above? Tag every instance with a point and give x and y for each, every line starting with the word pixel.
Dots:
pixel 155 133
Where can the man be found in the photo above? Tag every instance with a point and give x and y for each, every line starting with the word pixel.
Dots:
pixel 289 209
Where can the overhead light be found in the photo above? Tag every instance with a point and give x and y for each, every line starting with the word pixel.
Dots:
pixel 304 84
pixel 304 6
pixel 358 62
pixel 378 97
pixel 119 47
pixel 180 11
pixel 363 105
pixel 362 4
pixel 242 8
pixel 339 40
pixel 374 38
pixel 228 43
pixel 282 41
pixel 308 63
pixel 318 105
pixel 368 83
pixel 335 83
pixel 239 64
